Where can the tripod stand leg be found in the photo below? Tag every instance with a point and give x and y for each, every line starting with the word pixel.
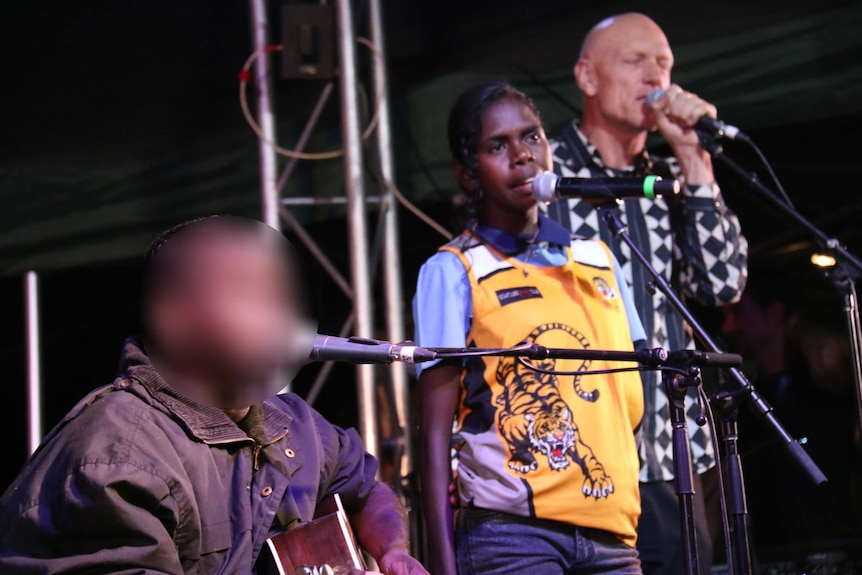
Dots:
pixel 674 387
pixel 737 508
pixel 727 407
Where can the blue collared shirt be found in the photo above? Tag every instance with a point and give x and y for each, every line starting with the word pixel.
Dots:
pixel 443 304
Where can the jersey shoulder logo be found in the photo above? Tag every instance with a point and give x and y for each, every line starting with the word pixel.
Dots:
pixel 606 290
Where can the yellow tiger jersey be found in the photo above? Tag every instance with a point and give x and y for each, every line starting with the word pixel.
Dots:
pixel 536 443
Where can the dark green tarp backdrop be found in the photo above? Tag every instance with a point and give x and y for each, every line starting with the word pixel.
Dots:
pixel 123 119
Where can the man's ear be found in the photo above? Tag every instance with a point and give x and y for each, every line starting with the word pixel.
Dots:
pixel 463 177
pixel 585 77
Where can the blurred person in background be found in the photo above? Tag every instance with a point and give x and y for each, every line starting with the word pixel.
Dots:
pixel 801 365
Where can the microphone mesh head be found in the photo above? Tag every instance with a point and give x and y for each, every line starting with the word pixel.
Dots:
pixel 545 186
pixel 654 96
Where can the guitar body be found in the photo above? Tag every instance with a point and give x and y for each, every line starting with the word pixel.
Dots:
pixel 326 540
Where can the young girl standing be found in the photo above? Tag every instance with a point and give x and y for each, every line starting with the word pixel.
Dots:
pixel 547 468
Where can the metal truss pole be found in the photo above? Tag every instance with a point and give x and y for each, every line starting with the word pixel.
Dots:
pixel 359 287
pixel 34 360
pixel 391 258
pixel 265 116
pixel 356 214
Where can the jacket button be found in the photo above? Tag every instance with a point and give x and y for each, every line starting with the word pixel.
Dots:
pixel 266 491
pixel 290 453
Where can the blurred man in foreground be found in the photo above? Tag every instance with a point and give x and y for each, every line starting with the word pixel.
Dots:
pixel 189 461
pixel 693 240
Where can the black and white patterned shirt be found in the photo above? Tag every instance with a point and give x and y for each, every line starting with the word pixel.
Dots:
pixel 694 241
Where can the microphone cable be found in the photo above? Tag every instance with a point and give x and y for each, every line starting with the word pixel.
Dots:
pixel 769 171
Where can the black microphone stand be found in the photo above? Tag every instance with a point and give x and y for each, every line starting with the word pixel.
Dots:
pixel 727 402
pixel 682 372
pixel 847 269
pixel 739 546
pixel 530 350
pixel 675 384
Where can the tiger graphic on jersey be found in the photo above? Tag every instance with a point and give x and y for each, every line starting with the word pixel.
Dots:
pixel 534 419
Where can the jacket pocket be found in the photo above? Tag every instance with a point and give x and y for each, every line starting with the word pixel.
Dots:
pixel 216 537
pixel 215 543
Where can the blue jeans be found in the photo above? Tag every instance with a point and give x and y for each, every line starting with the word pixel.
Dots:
pixel 495 543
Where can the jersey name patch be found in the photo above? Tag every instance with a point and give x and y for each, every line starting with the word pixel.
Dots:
pixel 512 295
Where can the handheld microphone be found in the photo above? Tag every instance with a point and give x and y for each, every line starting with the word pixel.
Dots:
pixel 705 124
pixel 548 186
pixel 363 350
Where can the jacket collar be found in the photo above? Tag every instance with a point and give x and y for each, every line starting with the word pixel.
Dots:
pixel 549 232
pixel 206 423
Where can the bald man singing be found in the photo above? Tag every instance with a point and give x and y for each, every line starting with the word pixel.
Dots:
pixel 694 240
